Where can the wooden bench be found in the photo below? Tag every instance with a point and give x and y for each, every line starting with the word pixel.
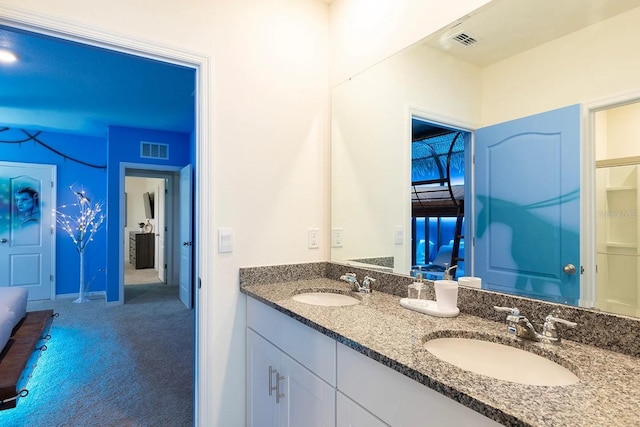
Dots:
pixel 20 355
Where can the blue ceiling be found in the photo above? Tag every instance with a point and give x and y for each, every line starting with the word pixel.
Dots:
pixel 71 87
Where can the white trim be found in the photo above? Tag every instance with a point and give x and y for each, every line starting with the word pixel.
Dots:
pixel 444 121
pixel 75 295
pixel 588 178
pixel 31 21
pixel 587 213
pixel 54 231
pixel 74 31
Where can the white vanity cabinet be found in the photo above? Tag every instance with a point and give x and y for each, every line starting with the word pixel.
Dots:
pixel 323 383
pixel 290 371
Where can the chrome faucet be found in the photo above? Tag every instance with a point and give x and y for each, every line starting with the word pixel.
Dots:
pixel 366 283
pixel 521 327
pixel 447 273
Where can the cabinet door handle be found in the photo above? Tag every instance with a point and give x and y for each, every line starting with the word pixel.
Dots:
pixel 271 387
pixel 278 394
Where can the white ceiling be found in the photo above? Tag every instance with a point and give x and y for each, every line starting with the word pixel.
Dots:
pixel 70 87
pixel 504 28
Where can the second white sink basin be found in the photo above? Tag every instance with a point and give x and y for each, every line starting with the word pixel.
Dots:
pixel 500 361
pixel 326 298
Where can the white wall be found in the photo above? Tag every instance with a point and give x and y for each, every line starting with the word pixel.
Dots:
pixel 364 32
pixel 135 187
pixel 268 141
pixel 623 131
pixel 588 65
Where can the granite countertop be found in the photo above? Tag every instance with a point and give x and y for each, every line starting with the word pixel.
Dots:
pixel 608 392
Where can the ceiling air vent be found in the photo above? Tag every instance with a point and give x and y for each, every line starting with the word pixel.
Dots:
pixel 465 39
pixel 154 150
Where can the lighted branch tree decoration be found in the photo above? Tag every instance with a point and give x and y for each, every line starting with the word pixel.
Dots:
pixel 81 228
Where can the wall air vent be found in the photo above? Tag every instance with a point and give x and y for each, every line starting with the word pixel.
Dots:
pixel 465 39
pixel 154 150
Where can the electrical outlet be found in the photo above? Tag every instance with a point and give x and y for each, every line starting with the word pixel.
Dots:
pixel 314 238
pixel 336 237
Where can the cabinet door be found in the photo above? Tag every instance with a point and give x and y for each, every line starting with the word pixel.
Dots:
pixel 308 401
pixel 349 414
pixel 262 410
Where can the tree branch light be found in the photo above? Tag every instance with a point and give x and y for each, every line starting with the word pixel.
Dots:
pixel 81 227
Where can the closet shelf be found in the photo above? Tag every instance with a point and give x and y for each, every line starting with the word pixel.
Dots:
pixel 622 188
pixel 622 245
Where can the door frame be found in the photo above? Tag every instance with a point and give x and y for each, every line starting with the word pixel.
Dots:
pixel 203 201
pixel 588 186
pixel 157 172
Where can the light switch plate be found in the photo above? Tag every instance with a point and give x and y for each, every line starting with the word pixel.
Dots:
pixel 225 240
pixel 399 235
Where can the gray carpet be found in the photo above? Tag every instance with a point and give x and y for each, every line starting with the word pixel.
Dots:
pixel 130 365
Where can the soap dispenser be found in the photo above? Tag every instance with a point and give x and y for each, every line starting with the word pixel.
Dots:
pixel 417 290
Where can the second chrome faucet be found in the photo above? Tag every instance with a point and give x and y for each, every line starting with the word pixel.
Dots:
pixel 366 282
pixel 521 327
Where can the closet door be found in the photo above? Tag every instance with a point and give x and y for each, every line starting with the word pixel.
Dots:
pixel 527 206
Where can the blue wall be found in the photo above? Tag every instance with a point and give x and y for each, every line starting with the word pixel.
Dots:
pixel 69 173
pixel 124 147
pixel 100 184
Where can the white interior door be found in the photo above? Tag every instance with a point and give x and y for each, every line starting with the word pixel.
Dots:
pixel 27 233
pixel 186 244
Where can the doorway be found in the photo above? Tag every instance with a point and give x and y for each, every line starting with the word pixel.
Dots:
pixel 196 62
pixel 144 228
pixel 437 198
pixel 152 229
pixel 617 179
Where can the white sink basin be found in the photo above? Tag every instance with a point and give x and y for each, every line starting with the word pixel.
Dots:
pixel 326 298
pixel 500 361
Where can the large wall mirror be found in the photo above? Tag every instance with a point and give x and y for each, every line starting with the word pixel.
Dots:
pixel 506 62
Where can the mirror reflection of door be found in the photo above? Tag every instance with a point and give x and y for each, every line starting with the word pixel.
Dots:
pixel 527 182
pixel 617 133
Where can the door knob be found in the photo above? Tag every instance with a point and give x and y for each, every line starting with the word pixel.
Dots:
pixel 3 240
pixel 186 243
pixel 569 269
